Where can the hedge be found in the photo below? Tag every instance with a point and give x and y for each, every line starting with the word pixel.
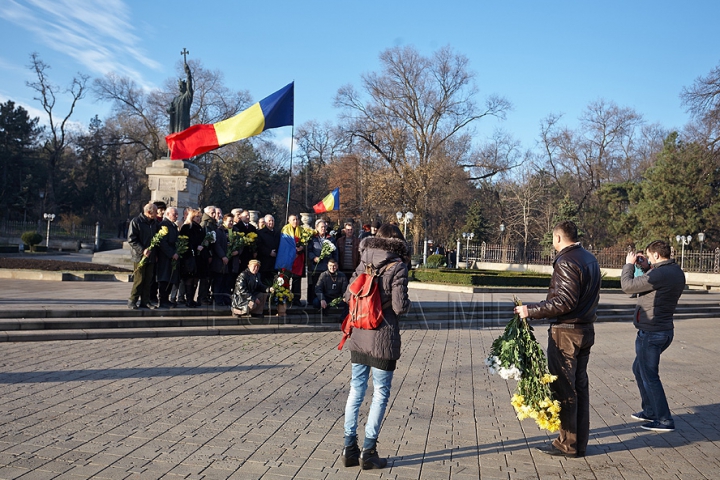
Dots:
pixel 493 279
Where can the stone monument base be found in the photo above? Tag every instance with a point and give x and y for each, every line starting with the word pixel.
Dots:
pixel 178 183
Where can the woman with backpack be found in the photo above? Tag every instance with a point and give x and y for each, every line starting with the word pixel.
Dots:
pixel 376 351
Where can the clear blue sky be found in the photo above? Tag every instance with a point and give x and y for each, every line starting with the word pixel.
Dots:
pixel 544 56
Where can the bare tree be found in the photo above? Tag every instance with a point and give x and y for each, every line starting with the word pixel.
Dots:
pixel 415 114
pixel 598 151
pixel 702 100
pixel 524 198
pixel 500 154
pixel 134 109
pixel 57 133
pixel 317 146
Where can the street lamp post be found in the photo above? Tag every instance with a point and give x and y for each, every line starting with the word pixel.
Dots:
pixel 404 219
pixel 701 239
pixel 467 237
pixel 49 217
pixel 502 246
pixel 683 240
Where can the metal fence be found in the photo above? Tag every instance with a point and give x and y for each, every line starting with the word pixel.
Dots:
pixel 707 261
pixel 15 229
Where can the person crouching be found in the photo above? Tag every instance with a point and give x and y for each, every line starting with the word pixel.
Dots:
pixel 250 294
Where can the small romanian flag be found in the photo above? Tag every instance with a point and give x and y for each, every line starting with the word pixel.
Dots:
pixel 331 202
pixel 271 112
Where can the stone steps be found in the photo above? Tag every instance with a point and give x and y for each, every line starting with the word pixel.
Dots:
pixel 59 324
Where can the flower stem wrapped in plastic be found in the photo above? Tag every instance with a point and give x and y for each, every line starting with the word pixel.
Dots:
pixel 154 242
pixel 516 354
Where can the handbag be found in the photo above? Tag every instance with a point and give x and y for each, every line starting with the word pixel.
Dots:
pixel 189 266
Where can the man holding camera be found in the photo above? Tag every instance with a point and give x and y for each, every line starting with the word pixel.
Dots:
pixel 658 292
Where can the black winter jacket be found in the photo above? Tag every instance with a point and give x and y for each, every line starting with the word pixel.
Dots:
pixel 140 234
pixel 164 271
pixel 247 288
pixel 328 289
pixel 658 292
pixel 574 290
pixel 380 348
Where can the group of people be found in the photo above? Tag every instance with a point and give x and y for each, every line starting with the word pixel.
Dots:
pixel 205 271
pixel 166 273
pixel 572 303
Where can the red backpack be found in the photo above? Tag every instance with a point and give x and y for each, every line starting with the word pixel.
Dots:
pixel 365 307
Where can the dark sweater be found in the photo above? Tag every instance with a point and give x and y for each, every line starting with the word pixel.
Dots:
pixel 658 292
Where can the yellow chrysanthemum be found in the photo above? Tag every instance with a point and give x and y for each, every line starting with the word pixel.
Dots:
pixel 547 378
pixel 517 401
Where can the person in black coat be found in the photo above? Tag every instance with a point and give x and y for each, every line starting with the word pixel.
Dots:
pixel 189 276
pixel 222 266
pixel 243 225
pixel 250 294
pixel 268 244
pixel 140 233
pixel 167 276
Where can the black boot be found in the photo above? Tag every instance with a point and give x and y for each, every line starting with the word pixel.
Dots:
pixel 351 456
pixel 369 459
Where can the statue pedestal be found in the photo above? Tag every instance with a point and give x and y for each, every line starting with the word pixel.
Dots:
pixel 175 182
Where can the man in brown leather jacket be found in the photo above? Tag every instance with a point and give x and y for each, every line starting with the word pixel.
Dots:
pixel 571 303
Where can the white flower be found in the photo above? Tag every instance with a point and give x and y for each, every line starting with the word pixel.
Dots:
pixel 329 244
pixel 510 373
pixel 280 281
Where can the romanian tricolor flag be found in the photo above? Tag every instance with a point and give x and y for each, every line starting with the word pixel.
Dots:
pixel 331 202
pixel 270 112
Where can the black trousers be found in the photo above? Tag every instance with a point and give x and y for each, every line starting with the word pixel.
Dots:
pixel 568 355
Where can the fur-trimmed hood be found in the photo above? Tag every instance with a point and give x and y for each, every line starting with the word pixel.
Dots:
pixel 380 251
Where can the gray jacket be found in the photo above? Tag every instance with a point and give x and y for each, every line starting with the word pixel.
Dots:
pixel 380 348
pixel 658 292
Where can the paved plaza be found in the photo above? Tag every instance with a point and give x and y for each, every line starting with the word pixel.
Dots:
pixel 271 406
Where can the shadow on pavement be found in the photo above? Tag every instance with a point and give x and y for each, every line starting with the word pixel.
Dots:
pixel 689 428
pixel 121 373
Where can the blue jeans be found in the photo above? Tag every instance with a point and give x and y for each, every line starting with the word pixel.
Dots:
pixel 648 347
pixel 382 380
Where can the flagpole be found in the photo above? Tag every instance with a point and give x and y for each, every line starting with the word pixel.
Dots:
pixel 292 143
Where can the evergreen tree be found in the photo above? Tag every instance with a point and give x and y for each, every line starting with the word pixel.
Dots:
pixel 21 176
pixel 567 210
pixel 477 223
pixel 679 194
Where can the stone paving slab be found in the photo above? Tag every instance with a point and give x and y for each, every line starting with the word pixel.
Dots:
pixel 271 406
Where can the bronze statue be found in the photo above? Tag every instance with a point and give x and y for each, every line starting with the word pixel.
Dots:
pixel 179 109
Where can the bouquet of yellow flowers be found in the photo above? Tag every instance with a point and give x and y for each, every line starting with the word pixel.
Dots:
pixel 154 242
pixel 306 236
pixel 516 354
pixel 250 241
pixel 281 292
pixel 236 241
pixel 181 246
